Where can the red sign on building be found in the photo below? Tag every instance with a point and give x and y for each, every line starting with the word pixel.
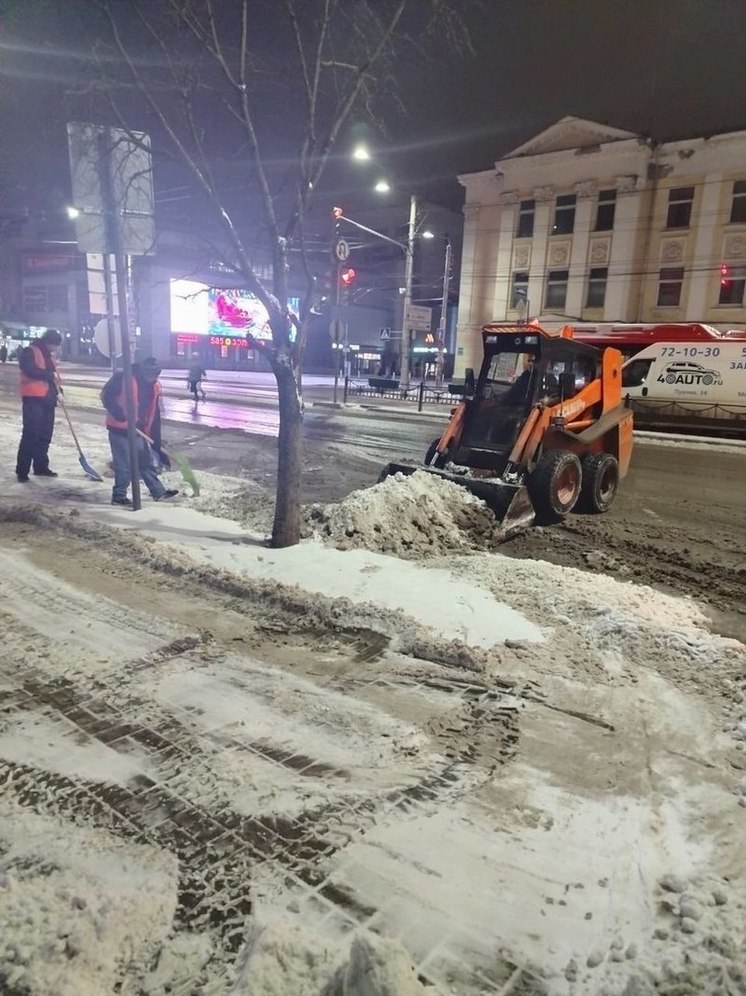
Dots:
pixel 48 262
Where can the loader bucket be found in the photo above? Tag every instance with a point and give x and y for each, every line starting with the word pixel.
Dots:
pixel 510 503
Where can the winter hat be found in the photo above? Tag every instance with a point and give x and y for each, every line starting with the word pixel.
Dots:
pixel 52 337
pixel 150 363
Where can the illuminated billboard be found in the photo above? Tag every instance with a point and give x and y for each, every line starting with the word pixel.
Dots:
pixel 224 314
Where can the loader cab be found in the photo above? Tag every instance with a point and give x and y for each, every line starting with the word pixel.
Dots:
pixel 518 372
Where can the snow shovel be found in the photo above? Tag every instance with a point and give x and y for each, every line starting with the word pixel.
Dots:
pixel 183 464
pixel 87 469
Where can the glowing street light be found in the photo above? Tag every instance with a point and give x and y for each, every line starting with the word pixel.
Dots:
pixel 361 154
pixel 72 213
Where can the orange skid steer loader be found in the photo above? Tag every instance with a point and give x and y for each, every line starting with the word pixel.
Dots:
pixel 542 430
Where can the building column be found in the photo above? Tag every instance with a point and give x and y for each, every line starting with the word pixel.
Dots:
pixel 504 270
pixel 586 194
pixel 707 225
pixel 468 336
pixel 624 264
pixel 544 197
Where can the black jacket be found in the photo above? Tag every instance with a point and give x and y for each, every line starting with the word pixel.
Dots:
pixel 110 398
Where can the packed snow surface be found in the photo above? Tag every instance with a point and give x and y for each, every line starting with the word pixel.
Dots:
pixel 566 812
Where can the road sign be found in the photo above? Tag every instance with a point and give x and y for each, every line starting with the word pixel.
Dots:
pixel 385 333
pixel 341 250
pixel 418 318
pixel 109 164
pixel 101 338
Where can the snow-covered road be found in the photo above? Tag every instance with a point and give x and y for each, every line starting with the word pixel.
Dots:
pixel 266 772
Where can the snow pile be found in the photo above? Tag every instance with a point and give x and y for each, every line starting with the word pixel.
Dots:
pixel 412 516
pixel 232 498
pixel 696 948
pixel 78 907
pixel 284 957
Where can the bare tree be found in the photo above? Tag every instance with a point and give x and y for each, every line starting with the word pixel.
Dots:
pixel 281 78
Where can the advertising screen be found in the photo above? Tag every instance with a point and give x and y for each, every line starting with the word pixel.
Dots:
pixel 220 313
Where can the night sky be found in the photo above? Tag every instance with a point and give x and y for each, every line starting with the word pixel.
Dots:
pixel 665 68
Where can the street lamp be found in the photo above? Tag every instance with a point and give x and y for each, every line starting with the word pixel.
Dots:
pixel 361 153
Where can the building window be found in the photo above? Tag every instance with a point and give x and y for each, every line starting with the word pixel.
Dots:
pixel 520 288
pixel 597 286
pixel 679 207
pixel 605 210
pixel 556 289
pixel 564 215
pixel 738 207
pixel 732 284
pixel 526 219
pixel 669 287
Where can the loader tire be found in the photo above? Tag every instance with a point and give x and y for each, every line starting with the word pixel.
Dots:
pixel 600 482
pixel 554 485
pixel 442 459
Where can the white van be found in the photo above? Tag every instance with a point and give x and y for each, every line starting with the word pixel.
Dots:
pixel 707 379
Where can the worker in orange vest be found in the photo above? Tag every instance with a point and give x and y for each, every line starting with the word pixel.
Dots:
pixel 39 389
pixel 146 392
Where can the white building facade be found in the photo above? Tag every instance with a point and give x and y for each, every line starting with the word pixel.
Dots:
pixel 595 224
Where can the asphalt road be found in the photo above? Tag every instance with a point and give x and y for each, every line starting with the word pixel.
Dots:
pixel 678 522
pixel 247 402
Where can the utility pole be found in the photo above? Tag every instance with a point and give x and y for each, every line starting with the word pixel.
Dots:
pixel 112 222
pixel 337 323
pixel 443 315
pixel 109 294
pixel 408 272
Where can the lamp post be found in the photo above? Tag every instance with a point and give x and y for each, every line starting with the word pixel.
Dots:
pixel 443 315
pixel 362 154
pixel 408 271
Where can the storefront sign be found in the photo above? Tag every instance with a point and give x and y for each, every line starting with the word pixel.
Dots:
pixel 47 262
pixel 227 340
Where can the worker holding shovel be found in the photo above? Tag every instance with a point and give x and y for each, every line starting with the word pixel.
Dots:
pixel 146 390
pixel 40 386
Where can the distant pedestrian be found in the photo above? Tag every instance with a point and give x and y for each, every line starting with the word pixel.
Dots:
pixel 39 389
pixel 3 353
pixel 146 391
pixel 195 376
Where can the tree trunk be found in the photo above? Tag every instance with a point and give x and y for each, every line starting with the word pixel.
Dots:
pixel 286 526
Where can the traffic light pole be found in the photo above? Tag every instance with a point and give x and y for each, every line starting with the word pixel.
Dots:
pixel 337 322
pixel 408 249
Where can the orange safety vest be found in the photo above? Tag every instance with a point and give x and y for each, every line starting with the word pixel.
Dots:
pixel 30 386
pixel 111 422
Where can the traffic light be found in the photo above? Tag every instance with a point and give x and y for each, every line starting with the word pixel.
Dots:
pixel 347 276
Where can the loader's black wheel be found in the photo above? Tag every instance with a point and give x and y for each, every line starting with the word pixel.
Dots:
pixel 600 482
pixel 442 459
pixel 554 485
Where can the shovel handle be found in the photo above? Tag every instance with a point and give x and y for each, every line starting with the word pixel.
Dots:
pixel 142 435
pixel 165 458
pixel 70 424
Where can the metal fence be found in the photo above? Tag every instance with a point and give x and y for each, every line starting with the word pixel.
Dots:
pixel 385 388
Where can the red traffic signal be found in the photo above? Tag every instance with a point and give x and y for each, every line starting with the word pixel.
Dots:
pixel 347 276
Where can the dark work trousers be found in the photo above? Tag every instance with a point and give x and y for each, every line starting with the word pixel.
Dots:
pixel 120 452
pixel 38 426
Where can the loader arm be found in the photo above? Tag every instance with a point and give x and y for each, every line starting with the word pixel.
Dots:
pixel 452 433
